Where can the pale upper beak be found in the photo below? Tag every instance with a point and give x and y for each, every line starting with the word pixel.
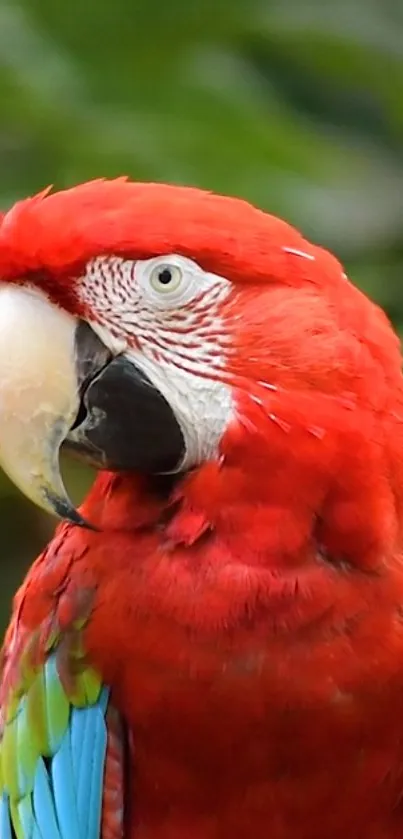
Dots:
pixel 59 384
pixel 39 397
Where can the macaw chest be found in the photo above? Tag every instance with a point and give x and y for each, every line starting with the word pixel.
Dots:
pixel 228 716
pixel 219 752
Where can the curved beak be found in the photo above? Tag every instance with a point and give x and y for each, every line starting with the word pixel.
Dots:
pixel 39 396
pixel 60 386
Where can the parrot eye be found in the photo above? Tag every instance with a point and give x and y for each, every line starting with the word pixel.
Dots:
pixel 166 279
pixel 169 281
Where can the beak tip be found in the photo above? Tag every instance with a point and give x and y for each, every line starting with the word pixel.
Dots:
pixel 64 509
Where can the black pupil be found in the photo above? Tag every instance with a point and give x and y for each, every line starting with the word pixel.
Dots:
pixel 165 276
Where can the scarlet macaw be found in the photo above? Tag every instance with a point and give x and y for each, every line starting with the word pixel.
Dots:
pixel 212 646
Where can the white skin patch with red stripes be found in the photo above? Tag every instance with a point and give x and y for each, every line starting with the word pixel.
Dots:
pixel 164 314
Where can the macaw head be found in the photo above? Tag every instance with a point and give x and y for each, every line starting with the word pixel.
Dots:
pixel 164 329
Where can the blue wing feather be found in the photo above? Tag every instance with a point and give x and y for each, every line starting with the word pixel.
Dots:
pixel 5 820
pixel 97 743
pixel 64 793
pixel 45 816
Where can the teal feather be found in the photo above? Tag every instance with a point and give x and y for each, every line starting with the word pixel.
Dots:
pixel 36 834
pixel 5 818
pixel 45 816
pixel 96 749
pixel 65 800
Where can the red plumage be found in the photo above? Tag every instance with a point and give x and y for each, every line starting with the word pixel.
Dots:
pixel 58 232
pixel 251 624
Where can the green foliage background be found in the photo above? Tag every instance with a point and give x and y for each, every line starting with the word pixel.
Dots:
pixel 295 105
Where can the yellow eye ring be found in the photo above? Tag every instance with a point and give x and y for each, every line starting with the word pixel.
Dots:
pixel 166 279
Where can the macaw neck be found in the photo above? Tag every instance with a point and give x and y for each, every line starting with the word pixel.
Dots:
pixel 222 529
pixel 272 503
pixel 244 511
pixel 274 535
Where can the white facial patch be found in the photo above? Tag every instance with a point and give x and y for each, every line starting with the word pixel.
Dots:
pixel 164 314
